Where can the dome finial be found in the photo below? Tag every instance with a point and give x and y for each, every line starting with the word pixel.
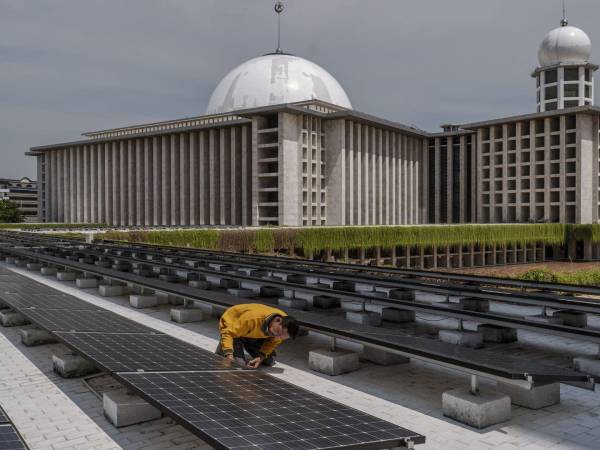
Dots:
pixel 279 7
pixel 564 22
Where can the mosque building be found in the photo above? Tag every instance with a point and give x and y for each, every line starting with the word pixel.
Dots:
pixel 280 144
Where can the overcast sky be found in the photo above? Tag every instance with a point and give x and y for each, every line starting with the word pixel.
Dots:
pixel 69 66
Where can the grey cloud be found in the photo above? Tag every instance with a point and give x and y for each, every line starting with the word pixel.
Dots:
pixel 68 66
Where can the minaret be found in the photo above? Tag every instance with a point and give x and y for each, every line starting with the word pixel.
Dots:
pixel 565 77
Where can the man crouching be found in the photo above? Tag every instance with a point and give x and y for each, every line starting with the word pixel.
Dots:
pixel 257 329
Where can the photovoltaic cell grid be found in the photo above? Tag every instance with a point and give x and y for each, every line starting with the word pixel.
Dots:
pixel 147 352
pixel 250 410
pixel 3 417
pixel 100 321
pixel 35 299
pixel 9 439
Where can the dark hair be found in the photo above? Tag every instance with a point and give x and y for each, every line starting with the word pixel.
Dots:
pixel 291 325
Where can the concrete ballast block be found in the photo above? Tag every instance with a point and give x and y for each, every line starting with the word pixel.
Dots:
pixel 243 293
pixel 143 301
pixel 49 270
pixel 34 267
pixel 333 363
pixel 572 318
pixel 107 290
pixel 479 411
pixel 187 315
pixel 71 366
pixel 66 276
pixel 587 365
pixel 535 398
pixel 86 283
pixel 13 319
pixel 199 284
pixel 352 306
pixel 470 339
pixel 123 409
pixel 325 302
pixel 474 304
pixel 31 337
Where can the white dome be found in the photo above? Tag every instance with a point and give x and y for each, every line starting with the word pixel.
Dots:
pixel 275 79
pixel 566 45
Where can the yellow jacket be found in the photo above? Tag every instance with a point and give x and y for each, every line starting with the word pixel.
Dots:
pixel 248 321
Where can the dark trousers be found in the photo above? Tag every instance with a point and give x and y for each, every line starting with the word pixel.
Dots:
pixel 252 346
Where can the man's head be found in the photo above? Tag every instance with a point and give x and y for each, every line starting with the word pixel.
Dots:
pixel 284 327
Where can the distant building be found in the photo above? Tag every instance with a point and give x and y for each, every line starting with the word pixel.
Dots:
pixel 280 144
pixel 24 193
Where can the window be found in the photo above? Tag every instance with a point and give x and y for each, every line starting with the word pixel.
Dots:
pixel 551 76
pixel 551 106
pixel 571 74
pixel 550 92
pixel 571 103
pixel 571 90
pixel 588 91
pixel 588 75
pixel 537 81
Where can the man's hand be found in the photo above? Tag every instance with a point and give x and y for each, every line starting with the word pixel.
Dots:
pixel 229 358
pixel 254 363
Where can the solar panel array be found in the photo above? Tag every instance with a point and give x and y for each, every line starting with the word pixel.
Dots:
pixel 228 407
pixel 10 439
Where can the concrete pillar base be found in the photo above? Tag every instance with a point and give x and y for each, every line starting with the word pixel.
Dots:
pixel 333 363
pixel 474 304
pixel 9 260
pixel 175 300
pixel 123 409
pixel 187 315
pixel 535 398
pixel 479 411
pixel 20 263
pixel 470 339
pixel 34 267
pixel 243 293
pixel 294 303
pixel 497 334
pixel 71 366
pixel 400 293
pixel 12 318
pixel 325 302
pixel 66 276
pixel 364 318
pixel 86 283
pixel 30 337
pixel 49 270
pixel 392 314
pixel 227 283
pixel 143 301
pixel 108 290
pixel 587 365
pixel 199 284
pixel 383 358
pixel 352 306
pixel 572 318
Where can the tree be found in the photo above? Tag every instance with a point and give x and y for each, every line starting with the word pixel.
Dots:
pixel 9 212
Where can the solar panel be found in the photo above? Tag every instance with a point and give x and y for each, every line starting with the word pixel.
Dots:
pixel 147 352
pixel 10 439
pixel 101 321
pixel 3 417
pixel 252 410
pixel 35 299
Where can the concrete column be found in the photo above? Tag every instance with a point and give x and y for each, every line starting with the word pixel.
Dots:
pixel 194 178
pixel 156 180
pixel 254 165
pixel 478 151
pixel 108 183
pixel 165 184
pixel 290 193
pixel 366 153
pixel 93 156
pixel 79 183
pixel 234 164
pixel 223 185
pixel 174 179
pixel 140 192
pixel 184 177
pixel 131 184
pixel 438 177
pixel 73 184
pixel 505 171
pixel 393 179
pixel 562 168
pixel 213 177
pixel 373 191
pixel 100 187
pixel 148 182
pixel 246 178
pixel 518 208
pixel 358 176
pixel 204 178
pixel 335 177
pixel 382 198
pixel 86 184
pixel 123 182
pixel 547 168
pixel 587 148
pixel 116 178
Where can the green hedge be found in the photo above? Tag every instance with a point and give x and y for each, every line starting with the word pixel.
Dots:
pixel 44 226
pixel 315 239
pixel 581 277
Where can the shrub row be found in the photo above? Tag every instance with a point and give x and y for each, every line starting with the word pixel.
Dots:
pixel 581 277
pixel 315 239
